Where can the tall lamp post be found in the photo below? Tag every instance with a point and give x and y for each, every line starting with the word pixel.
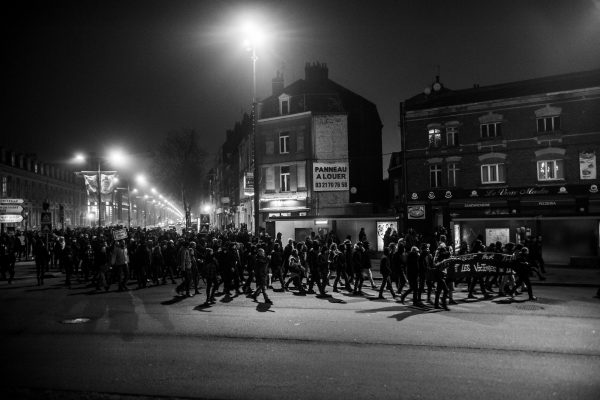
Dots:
pixel 251 46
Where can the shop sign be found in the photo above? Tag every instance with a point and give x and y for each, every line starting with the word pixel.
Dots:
pixel 329 177
pixel 416 211
pixel 249 182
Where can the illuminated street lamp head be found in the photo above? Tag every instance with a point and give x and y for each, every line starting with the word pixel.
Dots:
pixel 153 190
pixel 79 158
pixel 141 180
pixel 117 157
pixel 253 35
pixel 134 190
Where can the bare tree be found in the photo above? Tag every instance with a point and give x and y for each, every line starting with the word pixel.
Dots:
pixel 179 166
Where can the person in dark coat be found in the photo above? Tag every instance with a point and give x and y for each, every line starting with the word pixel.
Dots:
pixel 42 256
pixel 386 272
pixel 261 271
pixel 67 261
pixel 412 272
pixel 523 270
pixel 211 275
pixel 337 262
pixel 276 265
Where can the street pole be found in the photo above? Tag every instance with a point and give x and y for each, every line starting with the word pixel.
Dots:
pixel 404 174
pixel 129 206
pixel 256 201
pixel 99 196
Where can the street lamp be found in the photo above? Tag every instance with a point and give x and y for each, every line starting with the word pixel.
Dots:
pixel 254 37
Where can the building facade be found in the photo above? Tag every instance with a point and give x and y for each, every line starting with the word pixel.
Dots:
pixel 507 162
pixel 23 176
pixel 318 149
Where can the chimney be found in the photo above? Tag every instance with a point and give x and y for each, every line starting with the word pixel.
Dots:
pixel 277 83
pixel 316 72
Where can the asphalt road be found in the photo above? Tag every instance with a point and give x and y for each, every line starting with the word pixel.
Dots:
pixel 150 343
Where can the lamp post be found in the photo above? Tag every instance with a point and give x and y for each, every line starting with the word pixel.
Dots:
pixel 251 46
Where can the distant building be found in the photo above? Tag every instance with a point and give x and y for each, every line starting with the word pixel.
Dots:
pixel 23 176
pixel 506 162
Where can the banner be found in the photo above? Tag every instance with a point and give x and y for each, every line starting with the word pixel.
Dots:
pixel 120 234
pixel 477 265
pixel 108 183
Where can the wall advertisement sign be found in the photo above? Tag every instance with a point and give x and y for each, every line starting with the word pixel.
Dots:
pixel 329 177
pixel 587 165
pixel 416 211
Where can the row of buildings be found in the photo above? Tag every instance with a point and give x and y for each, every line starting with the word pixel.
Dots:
pixel 499 163
pixel 24 177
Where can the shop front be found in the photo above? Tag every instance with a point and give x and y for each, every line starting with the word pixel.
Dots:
pixel 566 218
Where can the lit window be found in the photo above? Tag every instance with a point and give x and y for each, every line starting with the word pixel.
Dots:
pixel 490 130
pixel 435 137
pixel 284 143
pixel 453 174
pixel 550 170
pixel 548 124
pixel 492 173
pixel 451 136
pixel 435 175
pixel 284 179
pixel 4 186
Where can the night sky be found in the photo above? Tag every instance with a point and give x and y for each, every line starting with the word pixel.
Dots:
pixel 89 75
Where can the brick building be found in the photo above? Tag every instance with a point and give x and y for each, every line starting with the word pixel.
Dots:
pixel 505 162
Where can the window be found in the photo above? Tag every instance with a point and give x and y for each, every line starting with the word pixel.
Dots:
pixel 490 130
pixel 284 104
pixel 284 179
pixel 451 136
pixel 548 124
pixel 4 186
pixel 550 170
pixel 492 173
pixel 435 175
pixel 453 174
pixel 435 137
pixel 284 143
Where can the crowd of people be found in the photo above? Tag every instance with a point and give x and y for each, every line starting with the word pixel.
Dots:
pixel 245 264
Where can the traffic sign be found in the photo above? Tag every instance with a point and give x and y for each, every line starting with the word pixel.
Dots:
pixel 10 218
pixel 11 201
pixel 10 209
pixel 46 221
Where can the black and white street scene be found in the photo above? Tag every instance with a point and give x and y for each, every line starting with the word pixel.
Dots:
pixel 282 199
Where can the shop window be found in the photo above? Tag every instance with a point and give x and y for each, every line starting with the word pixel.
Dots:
pixel 284 179
pixel 550 170
pixel 490 130
pixel 435 137
pixel 435 175
pixel 492 173
pixel 284 143
pixel 453 174
pixel 548 124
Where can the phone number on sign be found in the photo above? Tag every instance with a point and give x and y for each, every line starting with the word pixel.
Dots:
pixel 331 184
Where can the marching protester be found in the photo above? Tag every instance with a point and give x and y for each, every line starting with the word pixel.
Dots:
pixel 237 260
